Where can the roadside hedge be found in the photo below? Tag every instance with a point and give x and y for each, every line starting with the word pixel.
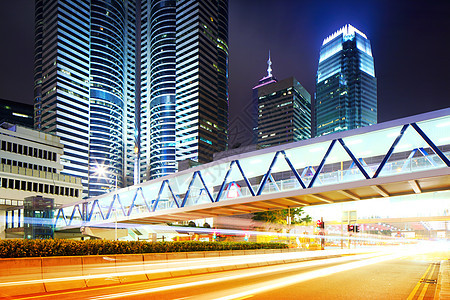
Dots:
pixel 42 248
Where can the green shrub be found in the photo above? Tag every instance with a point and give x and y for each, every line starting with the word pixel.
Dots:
pixel 42 248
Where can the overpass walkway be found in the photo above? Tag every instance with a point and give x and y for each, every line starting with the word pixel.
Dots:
pixel 400 157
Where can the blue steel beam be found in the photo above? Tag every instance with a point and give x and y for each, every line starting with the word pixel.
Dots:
pixel 322 163
pixel 132 204
pixel 224 182
pixel 245 178
pixel 431 144
pixel 390 151
pixel 355 161
pixel 206 188
pixel 299 179
pixel 266 177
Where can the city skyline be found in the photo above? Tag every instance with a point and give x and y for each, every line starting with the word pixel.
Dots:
pixel 406 41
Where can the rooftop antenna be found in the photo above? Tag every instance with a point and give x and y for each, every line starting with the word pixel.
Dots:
pixel 269 68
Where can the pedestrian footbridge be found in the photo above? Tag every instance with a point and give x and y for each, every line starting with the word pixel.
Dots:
pixel 400 157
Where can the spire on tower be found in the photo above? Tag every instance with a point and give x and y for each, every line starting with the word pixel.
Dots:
pixel 269 68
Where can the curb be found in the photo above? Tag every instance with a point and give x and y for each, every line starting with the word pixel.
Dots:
pixel 443 284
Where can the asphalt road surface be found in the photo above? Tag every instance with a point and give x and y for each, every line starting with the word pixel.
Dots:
pixel 362 276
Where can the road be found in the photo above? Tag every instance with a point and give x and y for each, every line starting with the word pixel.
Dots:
pixel 382 275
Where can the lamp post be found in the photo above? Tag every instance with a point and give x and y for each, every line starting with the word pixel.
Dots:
pixel 101 171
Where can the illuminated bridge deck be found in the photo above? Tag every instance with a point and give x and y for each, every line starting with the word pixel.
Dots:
pixel 400 157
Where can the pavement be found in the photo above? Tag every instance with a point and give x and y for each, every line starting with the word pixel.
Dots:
pixel 443 285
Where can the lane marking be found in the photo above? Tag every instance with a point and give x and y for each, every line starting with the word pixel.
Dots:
pixel 414 291
pixel 425 288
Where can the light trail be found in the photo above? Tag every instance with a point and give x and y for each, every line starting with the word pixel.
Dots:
pixel 309 275
pixel 154 267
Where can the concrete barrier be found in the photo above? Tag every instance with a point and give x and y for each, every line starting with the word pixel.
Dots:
pixel 14 271
pixel 132 265
pixel 24 276
pixel 60 267
pixel 95 266
pixel 159 259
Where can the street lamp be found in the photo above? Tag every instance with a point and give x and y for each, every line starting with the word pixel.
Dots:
pixel 102 171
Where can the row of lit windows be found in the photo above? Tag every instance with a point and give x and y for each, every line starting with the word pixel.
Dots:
pixel 14 163
pixel 29 151
pixel 29 186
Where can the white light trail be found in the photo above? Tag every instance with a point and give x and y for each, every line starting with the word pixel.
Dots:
pixel 285 281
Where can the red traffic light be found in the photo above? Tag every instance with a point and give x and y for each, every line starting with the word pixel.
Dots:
pixel 353 228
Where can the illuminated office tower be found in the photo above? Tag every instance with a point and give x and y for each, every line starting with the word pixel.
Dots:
pixel 202 79
pixel 85 86
pixel 184 75
pixel 284 110
pixel 346 87
pixel 158 21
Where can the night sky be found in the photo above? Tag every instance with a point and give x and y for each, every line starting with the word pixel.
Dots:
pixel 410 44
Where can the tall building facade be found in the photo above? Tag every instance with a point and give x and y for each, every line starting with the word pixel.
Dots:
pixel 346 87
pixel 158 54
pixel 284 110
pixel 184 98
pixel 85 86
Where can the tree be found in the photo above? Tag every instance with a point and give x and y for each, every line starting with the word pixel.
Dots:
pixel 297 215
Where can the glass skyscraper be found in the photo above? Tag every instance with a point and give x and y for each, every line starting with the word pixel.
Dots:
pixel 184 98
pixel 158 27
pixel 85 86
pixel 346 87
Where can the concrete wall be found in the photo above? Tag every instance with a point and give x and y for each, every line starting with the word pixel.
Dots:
pixel 22 276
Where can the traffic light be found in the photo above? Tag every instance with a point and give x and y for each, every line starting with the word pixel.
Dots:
pixel 246 237
pixel 322 224
pixel 214 235
pixel 353 228
pixel 319 224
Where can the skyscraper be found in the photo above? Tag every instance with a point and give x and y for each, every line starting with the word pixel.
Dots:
pixel 85 86
pixel 158 28
pixel 346 87
pixel 184 98
pixel 202 78
pixel 284 110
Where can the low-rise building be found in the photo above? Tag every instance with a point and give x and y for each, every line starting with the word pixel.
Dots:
pixel 30 166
